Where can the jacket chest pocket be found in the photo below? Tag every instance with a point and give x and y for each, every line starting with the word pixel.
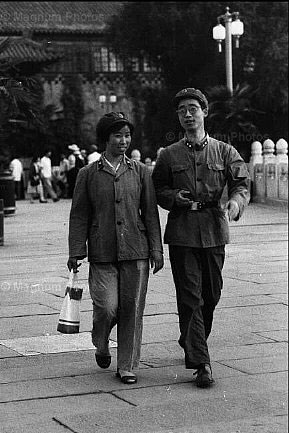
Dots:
pixel 180 175
pixel 216 173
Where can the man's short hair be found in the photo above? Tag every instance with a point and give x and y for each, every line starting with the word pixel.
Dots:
pixel 191 93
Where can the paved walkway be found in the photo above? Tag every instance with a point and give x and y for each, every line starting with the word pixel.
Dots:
pixel 49 382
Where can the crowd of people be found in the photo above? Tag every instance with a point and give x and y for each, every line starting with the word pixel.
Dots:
pixel 54 182
pixel 45 181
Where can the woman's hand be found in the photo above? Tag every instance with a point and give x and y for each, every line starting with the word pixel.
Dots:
pixel 72 263
pixel 157 261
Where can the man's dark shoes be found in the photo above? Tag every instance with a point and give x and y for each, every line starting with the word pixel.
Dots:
pixel 204 377
pixel 103 361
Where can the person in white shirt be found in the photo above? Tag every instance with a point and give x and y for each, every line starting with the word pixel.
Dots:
pixel 135 155
pixel 47 175
pixel 93 155
pixel 17 172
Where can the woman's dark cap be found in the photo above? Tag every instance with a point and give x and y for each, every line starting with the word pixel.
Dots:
pixel 191 93
pixel 108 123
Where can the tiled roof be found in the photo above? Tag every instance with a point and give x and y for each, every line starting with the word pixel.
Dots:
pixel 58 16
pixel 19 50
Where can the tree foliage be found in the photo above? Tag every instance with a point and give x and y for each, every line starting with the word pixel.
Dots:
pixel 66 129
pixel 23 122
pixel 232 118
pixel 177 36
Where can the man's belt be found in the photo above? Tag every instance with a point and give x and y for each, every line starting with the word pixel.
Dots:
pixel 199 205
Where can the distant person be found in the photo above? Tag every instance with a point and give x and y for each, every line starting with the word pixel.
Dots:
pixel 17 172
pixel 94 155
pixel 83 153
pixel 76 162
pixel 189 177
pixel 148 163
pixel 47 176
pixel 135 155
pixel 61 179
pixel 35 187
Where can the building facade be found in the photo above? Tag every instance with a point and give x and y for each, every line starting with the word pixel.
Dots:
pixel 78 30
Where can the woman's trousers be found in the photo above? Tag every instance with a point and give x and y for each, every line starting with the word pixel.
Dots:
pixel 118 291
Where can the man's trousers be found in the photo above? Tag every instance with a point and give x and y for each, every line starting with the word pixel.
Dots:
pixel 197 274
pixel 118 291
pixel 48 188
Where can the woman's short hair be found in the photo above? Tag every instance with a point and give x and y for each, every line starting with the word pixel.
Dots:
pixel 109 123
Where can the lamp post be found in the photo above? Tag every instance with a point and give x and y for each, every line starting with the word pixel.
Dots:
pixel 107 102
pixel 102 100
pixel 233 27
pixel 112 100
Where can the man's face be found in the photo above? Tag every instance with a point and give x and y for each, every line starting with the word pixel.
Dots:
pixel 191 115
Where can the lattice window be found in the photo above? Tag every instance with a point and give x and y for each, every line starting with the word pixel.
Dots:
pixel 135 64
pixel 106 61
pixel 148 67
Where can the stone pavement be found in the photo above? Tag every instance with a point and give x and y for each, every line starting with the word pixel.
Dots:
pixel 50 383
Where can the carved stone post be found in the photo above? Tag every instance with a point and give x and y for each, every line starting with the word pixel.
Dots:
pixel 256 158
pixel 282 168
pixel 270 169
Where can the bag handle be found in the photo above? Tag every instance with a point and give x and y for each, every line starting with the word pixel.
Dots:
pixel 72 278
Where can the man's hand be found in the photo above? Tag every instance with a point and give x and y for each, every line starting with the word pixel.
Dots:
pixel 232 209
pixel 157 261
pixel 72 263
pixel 182 198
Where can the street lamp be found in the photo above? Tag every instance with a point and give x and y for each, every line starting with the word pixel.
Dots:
pixel 112 99
pixel 102 100
pixel 233 27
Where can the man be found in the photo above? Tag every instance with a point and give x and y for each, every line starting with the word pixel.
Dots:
pixel 189 179
pixel 17 172
pixel 47 175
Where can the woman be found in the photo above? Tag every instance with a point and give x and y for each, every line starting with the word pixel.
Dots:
pixel 35 187
pixel 114 221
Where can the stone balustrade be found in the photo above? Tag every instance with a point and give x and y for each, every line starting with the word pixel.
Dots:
pixel 268 169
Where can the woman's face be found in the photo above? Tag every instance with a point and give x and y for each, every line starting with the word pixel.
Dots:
pixel 119 141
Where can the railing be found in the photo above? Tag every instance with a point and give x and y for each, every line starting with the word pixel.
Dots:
pixel 268 169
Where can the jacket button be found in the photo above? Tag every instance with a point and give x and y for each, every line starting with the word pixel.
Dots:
pixel 116 179
pixel 199 179
pixel 118 223
pixel 117 201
